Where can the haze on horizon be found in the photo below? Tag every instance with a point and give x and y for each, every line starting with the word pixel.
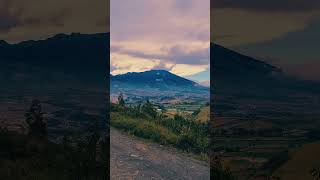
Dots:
pixel 172 35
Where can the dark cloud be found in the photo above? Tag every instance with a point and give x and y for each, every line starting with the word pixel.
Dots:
pixel 179 55
pixel 8 19
pixel 291 51
pixel 293 47
pixel 223 37
pixel 56 19
pixel 183 4
pixel 175 54
pixel 268 5
pixel 6 23
pixel 39 19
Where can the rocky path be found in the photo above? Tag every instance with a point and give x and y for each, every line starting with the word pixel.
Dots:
pixel 133 158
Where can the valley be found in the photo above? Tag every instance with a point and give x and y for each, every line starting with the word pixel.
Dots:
pixel 259 115
pixel 173 113
pixel 59 83
pixel 172 94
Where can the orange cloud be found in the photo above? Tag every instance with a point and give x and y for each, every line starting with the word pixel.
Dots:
pixel 123 63
pixel 188 70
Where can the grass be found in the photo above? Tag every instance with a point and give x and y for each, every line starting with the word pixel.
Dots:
pixel 203 115
pixel 186 134
pixel 143 128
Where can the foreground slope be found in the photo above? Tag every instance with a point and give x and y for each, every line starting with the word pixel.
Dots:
pixel 132 158
pixel 302 161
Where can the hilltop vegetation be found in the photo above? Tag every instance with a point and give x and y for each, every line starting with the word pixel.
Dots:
pixel 183 132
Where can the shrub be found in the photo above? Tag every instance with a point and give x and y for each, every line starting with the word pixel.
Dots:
pixel 185 133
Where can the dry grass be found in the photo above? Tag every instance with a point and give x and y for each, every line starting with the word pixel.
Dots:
pixel 204 115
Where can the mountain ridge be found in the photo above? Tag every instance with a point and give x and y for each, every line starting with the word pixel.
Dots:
pixel 154 76
pixel 84 57
pixel 157 86
pixel 227 63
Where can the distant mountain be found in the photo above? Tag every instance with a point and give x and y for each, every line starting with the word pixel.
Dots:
pixel 238 73
pixel 160 79
pixel 157 86
pixel 230 64
pixel 153 78
pixel 81 57
pixel 240 82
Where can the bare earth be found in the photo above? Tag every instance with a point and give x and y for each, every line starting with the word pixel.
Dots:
pixel 133 158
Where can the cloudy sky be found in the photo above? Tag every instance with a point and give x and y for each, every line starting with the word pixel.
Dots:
pixel 173 34
pixel 285 33
pixel 169 34
pixel 40 19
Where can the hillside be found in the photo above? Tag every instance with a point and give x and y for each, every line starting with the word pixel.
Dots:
pixel 159 86
pixel 154 80
pixel 80 57
pixel 242 85
pixel 236 73
pixel 302 161
pixel 228 63
pixel 67 73
pixel 203 115
pixel 260 113
pixel 184 133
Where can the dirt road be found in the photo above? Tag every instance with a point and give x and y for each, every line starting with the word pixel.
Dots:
pixel 133 158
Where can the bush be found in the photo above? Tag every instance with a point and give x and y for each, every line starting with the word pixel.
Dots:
pixel 184 133
pixel 29 158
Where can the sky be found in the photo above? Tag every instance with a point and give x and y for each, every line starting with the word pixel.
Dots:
pixel 173 35
pixel 285 33
pixel 40 19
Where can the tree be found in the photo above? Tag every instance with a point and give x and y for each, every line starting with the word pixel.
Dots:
pixel 35 120
pixel 121 100
pixel 149 109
